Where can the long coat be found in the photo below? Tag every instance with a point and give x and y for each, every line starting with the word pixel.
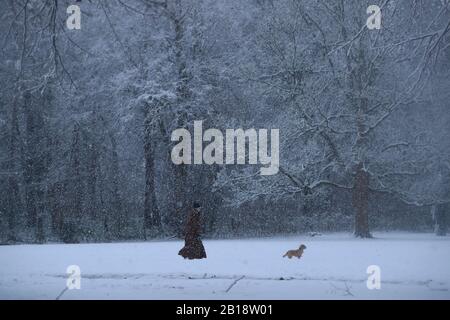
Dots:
pixel 193 246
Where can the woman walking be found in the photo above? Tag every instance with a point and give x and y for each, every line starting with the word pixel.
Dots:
pixel 193 246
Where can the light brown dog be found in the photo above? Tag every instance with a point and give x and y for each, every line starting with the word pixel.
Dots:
pixel 295 253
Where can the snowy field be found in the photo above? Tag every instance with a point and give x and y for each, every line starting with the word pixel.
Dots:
pixel 413 266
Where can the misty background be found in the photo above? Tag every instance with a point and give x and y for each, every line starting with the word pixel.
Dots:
pixel 86 117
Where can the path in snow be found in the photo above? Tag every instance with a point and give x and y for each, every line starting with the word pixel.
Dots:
pixel 413 266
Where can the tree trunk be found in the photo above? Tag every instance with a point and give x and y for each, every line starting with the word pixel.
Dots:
pixel 73 189
pixel 14 201
pixel 183 94
pixel 361 203
pixel 117 199
pixel 35 166
pixel 152 218
pixel 440 220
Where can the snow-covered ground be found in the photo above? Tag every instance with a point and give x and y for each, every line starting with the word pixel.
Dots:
pixel 333 267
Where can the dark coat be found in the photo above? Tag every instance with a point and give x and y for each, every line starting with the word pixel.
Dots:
pixel 193 246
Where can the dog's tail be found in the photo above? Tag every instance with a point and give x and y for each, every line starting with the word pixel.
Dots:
pixel 285 255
